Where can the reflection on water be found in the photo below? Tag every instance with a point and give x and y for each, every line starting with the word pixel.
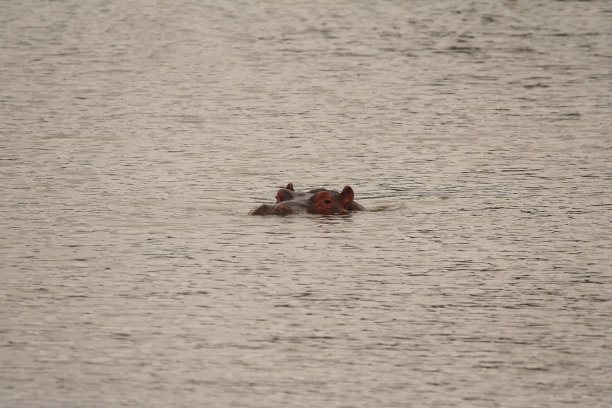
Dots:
pixel 135 139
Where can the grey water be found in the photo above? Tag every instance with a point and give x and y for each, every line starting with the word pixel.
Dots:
pixel 135 137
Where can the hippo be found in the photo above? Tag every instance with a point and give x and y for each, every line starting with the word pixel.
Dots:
pixel 317 201
pixel 288 194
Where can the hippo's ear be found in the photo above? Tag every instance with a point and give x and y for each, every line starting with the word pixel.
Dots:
pixel 347 195
pixel 290 187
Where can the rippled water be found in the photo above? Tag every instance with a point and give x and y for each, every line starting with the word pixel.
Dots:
pixel 136 136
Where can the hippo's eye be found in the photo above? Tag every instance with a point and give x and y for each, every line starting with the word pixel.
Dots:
pixel 328 201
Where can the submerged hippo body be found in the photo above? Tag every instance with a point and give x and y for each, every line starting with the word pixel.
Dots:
pixel 317 201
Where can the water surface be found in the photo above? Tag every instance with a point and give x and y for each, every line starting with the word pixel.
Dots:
pixel 135 137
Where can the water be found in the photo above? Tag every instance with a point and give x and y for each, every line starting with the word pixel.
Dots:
pixel 135 137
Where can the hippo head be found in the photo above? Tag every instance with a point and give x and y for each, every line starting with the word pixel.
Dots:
pixel 318 201
pixel 330 202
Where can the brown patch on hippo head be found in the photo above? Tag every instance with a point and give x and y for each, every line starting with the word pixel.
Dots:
pixel 282 209
pixel 331 202
pixel 323 202
pixel 284 195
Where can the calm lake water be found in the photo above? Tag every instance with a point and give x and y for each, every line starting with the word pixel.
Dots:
pixel 135 136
